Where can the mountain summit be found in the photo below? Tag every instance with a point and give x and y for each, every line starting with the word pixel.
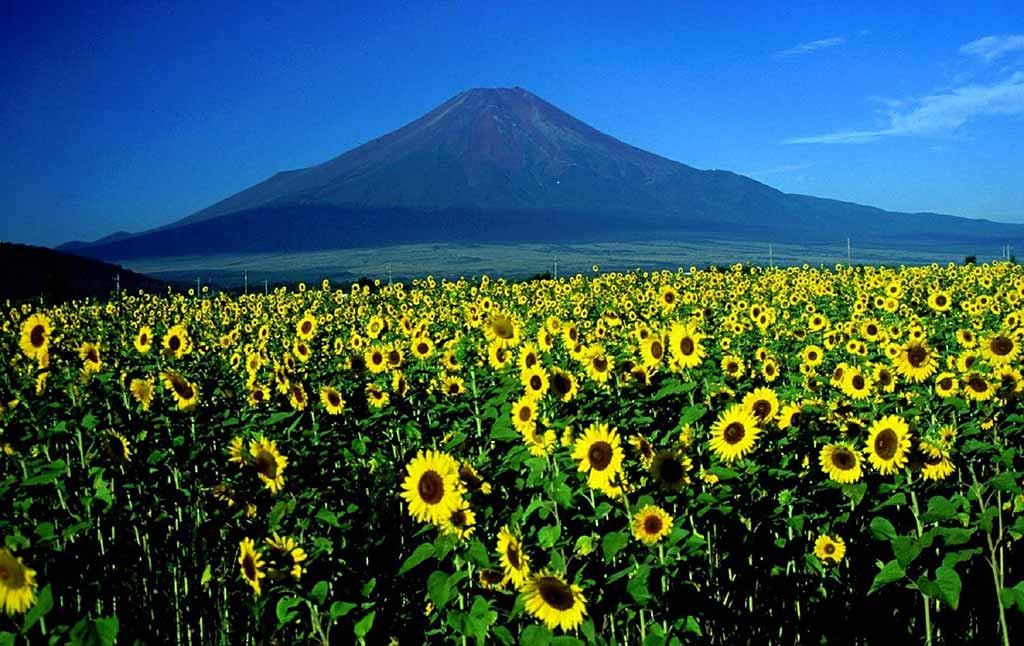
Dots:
pixel 504 165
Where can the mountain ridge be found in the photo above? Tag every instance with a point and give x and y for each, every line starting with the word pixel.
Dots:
pixel 506 151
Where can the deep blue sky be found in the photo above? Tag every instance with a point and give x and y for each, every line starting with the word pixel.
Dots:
pixel 116 117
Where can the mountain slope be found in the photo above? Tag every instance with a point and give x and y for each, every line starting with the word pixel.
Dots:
pixel 505 165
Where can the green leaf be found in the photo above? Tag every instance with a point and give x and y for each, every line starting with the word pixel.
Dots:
pixel 364 625
pixel 637 586
pixel 612 544
pixel 422 553
pixel 43 605
pixel 534 635
pixel 892 572
pixel 952 558
pixel 655 636
pixel 340 609
pixel 949 585
pixel 368 587
pixel 895 499
pixel 692 626
pixel 548 536
pixel 439 589
pixel 855 492
pixel 939 508
pixel 691 414
pixel 101 632
pixel 882 528
pixel 285 614
pixel 328 517
pixel 7 639
pixel 207 575
pixel 1005 481
pixel 906 549
pixel 319 592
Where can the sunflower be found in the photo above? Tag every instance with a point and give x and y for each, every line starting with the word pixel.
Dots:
pixel 376 397
pixel 916 361
pixel 599 364
pixel 651 524
pixel 732 366
pixel 812 355
pixel 841 463
pixel 461 523
pixel 297 396
pixel 251 564
pixel 600 454
pixel 491 579
pixel 856 384
pixel 671 469
pixel 268 462
pixel 452 385
pixel 535 381
pixel 35 335
pixel 734 433
pixel 562 384
pixel 306 327
pixel 685 341
pixel 289 547
pixel 976 387
pixel 90 355
pixel 177 342
pixel 501 329
pixel 376 359
pixel 1000 349
pixel 888 443
pixel 143 340
pixel 830 548
pixel 644 449
pixel 432 487
pixel 770 369
pixel 142 391
pixel 17 584
pixel 332 400
pixel 884 379
pixel 763 404
pixel 422 347
pixel 791 416
pixel 119 446
pixel 258 394
pixel 652 350
pixel 514 561
pixel 946 384
pixel 524 415
pixel 938 463
pixel 548 597
pixel 184 392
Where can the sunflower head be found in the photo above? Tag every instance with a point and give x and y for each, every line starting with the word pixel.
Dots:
pixel 651 524
pixel 551 599
pixel 830 549
pixel 17 584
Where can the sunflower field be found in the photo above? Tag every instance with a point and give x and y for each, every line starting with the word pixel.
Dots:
pixel 738 455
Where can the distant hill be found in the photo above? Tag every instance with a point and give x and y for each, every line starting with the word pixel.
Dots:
pixel 503 165
pixel 30 272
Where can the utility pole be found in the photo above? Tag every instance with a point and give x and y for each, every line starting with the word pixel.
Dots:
pixel 117 285
pixel 265 288
pixel 849 253
pixel 197 286
pixel 556 267
pixel 771 258
pixel 245 275
pixel 389 274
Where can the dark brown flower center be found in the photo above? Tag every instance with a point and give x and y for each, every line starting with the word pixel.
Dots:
pixel 249 567
pixel 174 343
pixel 762 408
pixel 535 382
pixel 830 549
pixel 843 459
pixel 431 487
pixel 600 455
pixel 884 377
pixel 182 387
pixel 600 364
pixel 512 553
pixel 422 348
pixel 333 398
pixel 858 382
pixel 556 594
pixel 1001 346
pixel 652 524
pixel 307 327
pixel 977 383
pixel 37 336
pixel 561 384
pixel 525 413
pixel 941 300
pixel 872 329
pixel 917 355
pixel 886 443
pixel 686 346
pixel 266 464
pixel 657 350
pixel 946 383
pixel 734 433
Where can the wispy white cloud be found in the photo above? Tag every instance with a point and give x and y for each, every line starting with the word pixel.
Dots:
pixel 991 48
pixel 813 46
pixel 938 114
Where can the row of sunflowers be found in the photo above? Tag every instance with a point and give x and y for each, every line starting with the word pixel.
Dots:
pixel 762 455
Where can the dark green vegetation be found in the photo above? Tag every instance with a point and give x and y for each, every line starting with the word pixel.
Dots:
pixel 35 272
pixel 502 165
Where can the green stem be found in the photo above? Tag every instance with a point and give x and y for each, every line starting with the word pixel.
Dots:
pixel 927 606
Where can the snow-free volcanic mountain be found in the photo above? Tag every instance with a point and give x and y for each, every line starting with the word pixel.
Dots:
pixel 503 165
